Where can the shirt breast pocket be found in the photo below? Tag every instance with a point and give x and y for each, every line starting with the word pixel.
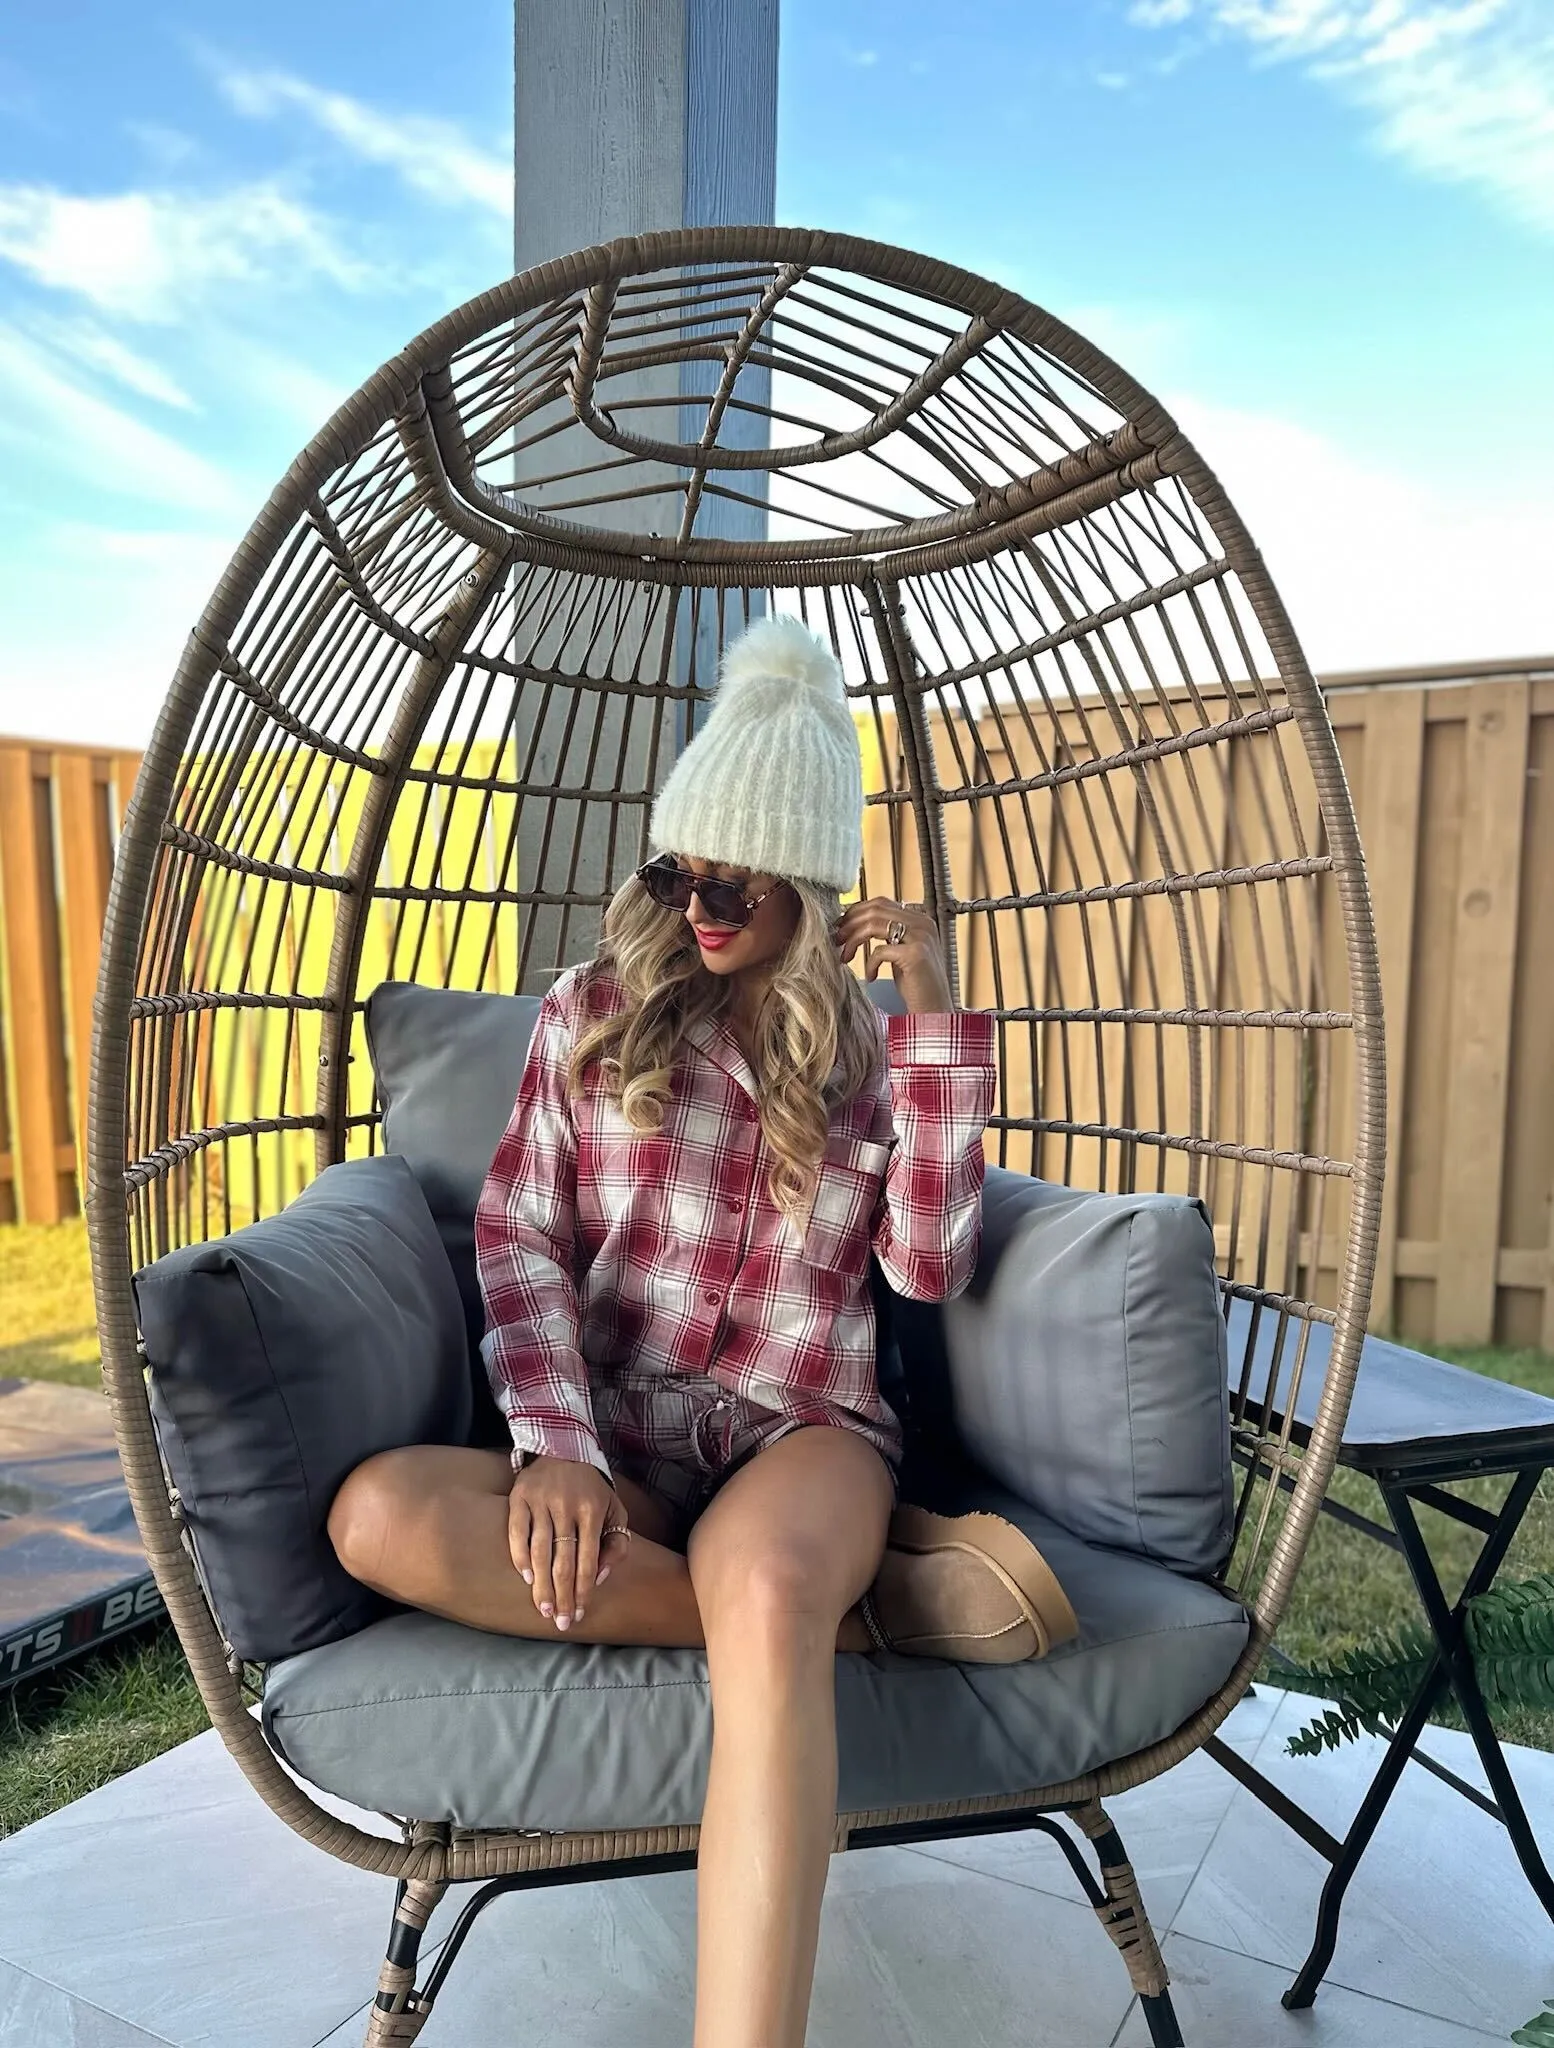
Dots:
pixel 852 1180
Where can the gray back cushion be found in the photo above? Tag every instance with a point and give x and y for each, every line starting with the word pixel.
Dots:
pixel 1086 1366
pixel 448 1063
pixel 280 1357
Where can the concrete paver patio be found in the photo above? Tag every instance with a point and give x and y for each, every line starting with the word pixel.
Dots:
pixel 172 1910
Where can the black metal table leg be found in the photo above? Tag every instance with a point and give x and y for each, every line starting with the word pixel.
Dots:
pixel 1304 1989
pixel 1450 1668
pixel 1449 1625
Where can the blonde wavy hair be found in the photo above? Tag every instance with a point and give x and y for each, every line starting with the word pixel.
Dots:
pixel 815 1017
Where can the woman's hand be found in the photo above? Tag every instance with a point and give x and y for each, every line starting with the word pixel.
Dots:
pixel 566 1526
pixel 916 959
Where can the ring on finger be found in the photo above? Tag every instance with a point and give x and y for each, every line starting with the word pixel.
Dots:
pixel 896 932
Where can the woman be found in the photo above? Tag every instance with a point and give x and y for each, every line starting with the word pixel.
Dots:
pixel 713 1131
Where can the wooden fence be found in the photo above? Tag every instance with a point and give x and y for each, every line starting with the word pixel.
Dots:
pixel 60 812
pixel 1453 776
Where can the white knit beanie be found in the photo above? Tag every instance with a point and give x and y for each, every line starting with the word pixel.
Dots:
pixel 773 781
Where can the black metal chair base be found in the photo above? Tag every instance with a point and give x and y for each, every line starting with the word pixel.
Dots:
pixel 1160 2018
pixel 399 2013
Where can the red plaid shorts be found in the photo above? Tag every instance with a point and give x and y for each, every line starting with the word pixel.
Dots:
pixel 681 1435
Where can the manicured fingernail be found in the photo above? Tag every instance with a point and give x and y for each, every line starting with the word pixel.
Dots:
pixel 602 1576
pixel 563 1621
pixel 579 1615
pixel 546 1609
pixel 527 1576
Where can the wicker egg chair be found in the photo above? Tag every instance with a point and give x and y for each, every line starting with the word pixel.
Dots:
pixel 416 731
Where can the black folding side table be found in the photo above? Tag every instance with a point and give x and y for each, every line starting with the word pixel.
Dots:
pixel 1416 1425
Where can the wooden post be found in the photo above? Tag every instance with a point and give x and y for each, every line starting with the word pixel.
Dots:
pixel 632 116
pixel 636 115
pixel 35 1055
pixel 81 783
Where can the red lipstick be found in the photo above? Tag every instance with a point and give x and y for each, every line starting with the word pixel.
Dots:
pixel 711 941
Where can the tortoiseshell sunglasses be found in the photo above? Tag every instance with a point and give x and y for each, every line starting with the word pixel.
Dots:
pixel 673 887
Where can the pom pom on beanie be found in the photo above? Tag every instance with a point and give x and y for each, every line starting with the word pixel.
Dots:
pixel 773 781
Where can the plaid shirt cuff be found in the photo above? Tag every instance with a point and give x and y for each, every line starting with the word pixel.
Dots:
pixel 941 1038
pixel 541 1440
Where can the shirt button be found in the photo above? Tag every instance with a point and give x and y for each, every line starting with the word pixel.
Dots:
pixel 735 1206
pixel 712 1294
pixel 752 1114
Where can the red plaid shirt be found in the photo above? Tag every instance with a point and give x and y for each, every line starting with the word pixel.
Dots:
pixel 599 1245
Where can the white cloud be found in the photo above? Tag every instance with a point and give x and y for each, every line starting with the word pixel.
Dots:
pixel 95 349
pixel 149 255
pixel 102 680
pixel 106 449
pixel 433 157
pixel 1379 569
pixel 1459 89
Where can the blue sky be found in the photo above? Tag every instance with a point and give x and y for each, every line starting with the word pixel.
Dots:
pixel 1321 230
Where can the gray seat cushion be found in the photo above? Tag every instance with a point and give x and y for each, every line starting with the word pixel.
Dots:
pixel 421 1716
pixel 280 1357
pixel 1084 1366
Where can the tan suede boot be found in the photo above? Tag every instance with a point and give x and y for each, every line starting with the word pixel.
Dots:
pixel 971 1588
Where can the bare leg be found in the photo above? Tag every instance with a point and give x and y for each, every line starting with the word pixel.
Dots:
pixel 428 1525
pixel 778 1559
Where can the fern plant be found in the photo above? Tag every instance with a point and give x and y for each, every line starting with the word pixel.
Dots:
pixel 1509 1632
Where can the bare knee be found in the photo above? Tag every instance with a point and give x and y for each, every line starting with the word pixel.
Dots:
pixel 364 1515
pixel 778 1592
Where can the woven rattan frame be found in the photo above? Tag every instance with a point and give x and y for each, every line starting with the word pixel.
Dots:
pixel 1098 757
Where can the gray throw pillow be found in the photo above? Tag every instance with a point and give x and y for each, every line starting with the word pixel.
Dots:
pixel 279 1358
pixel 1085 1366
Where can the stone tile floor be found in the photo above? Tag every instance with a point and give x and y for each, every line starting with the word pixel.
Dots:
pixel 171 1910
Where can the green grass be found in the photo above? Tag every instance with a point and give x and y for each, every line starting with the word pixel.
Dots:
pixel 47 1324
pixel 62 1735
